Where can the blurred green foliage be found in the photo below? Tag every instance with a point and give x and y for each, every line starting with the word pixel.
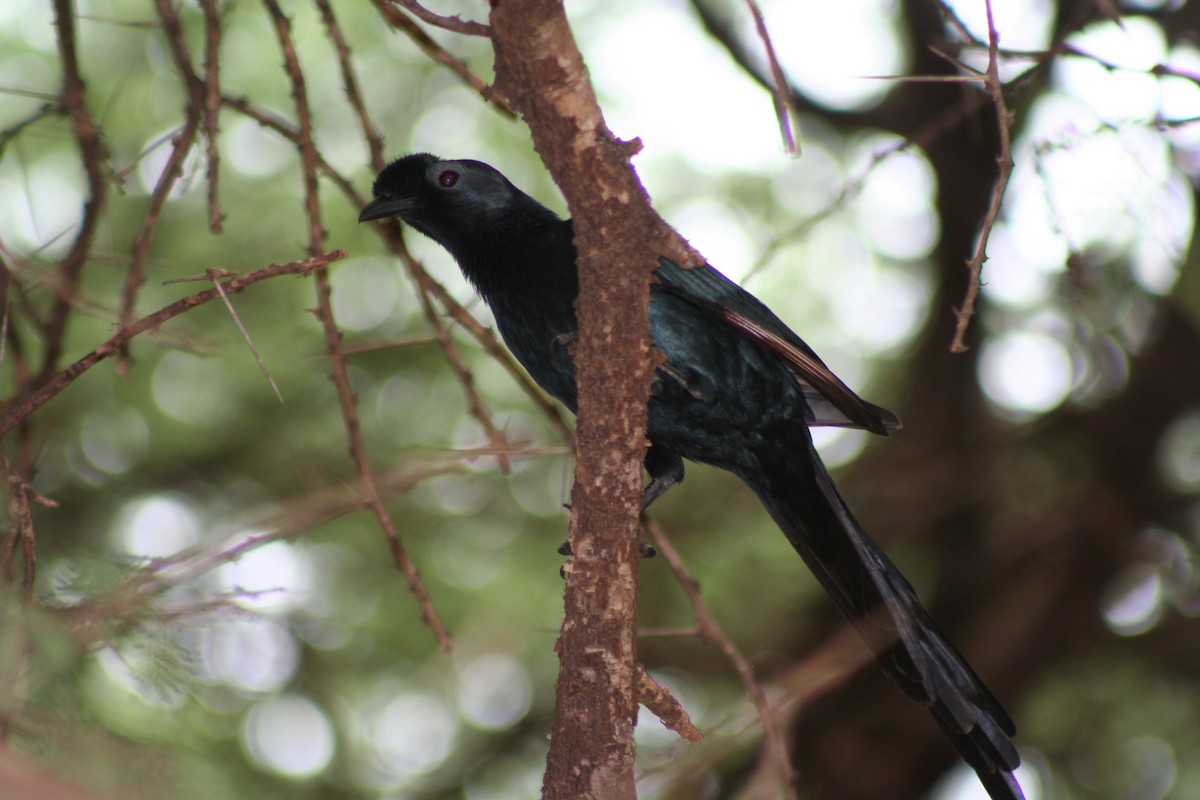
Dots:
pixel 148 665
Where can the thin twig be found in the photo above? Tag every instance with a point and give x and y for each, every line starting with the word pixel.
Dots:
pixel 24 450
pixel 6 285
pixel 212 107
pixel 950 15
pixel 10 133
pixel 780 91
pixel 350 85
pixel 1004 160
pixel 435 51
pixel 119 175
pixel 454 24
pixel 289 132
pixel 215 276
pixel 823 669
pixel 95 618
pixel 393 344
pixel 927 78
pixel 301 514
pixel 848 191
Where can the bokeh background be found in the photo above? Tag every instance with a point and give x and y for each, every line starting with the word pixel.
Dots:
pixel 213 616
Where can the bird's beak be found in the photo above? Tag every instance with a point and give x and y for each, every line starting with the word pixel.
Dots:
pixel 382 207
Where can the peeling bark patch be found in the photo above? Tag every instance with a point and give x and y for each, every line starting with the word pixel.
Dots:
pixel 618 238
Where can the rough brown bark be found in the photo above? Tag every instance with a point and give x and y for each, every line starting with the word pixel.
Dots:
pixel 619 237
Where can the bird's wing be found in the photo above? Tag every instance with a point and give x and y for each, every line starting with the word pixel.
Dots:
pixel 830 400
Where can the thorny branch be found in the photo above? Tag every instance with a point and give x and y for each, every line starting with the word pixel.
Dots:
pixel 94 157
pixel 212 108
pixel 181 144
pixel 995 90
pixel 333 336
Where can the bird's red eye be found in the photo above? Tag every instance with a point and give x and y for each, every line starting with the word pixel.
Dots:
pixel 448 178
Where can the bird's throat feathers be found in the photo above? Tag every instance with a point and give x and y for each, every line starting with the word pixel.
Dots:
pixel 511 258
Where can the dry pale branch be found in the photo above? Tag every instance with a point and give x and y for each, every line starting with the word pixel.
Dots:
pixel 262 365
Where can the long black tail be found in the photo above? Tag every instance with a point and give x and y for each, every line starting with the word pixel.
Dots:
pixel 884 608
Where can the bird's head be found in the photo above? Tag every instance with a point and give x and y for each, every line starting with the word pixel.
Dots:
pixel 448 200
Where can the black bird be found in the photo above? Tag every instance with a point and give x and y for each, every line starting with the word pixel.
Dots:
pixel 738 390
